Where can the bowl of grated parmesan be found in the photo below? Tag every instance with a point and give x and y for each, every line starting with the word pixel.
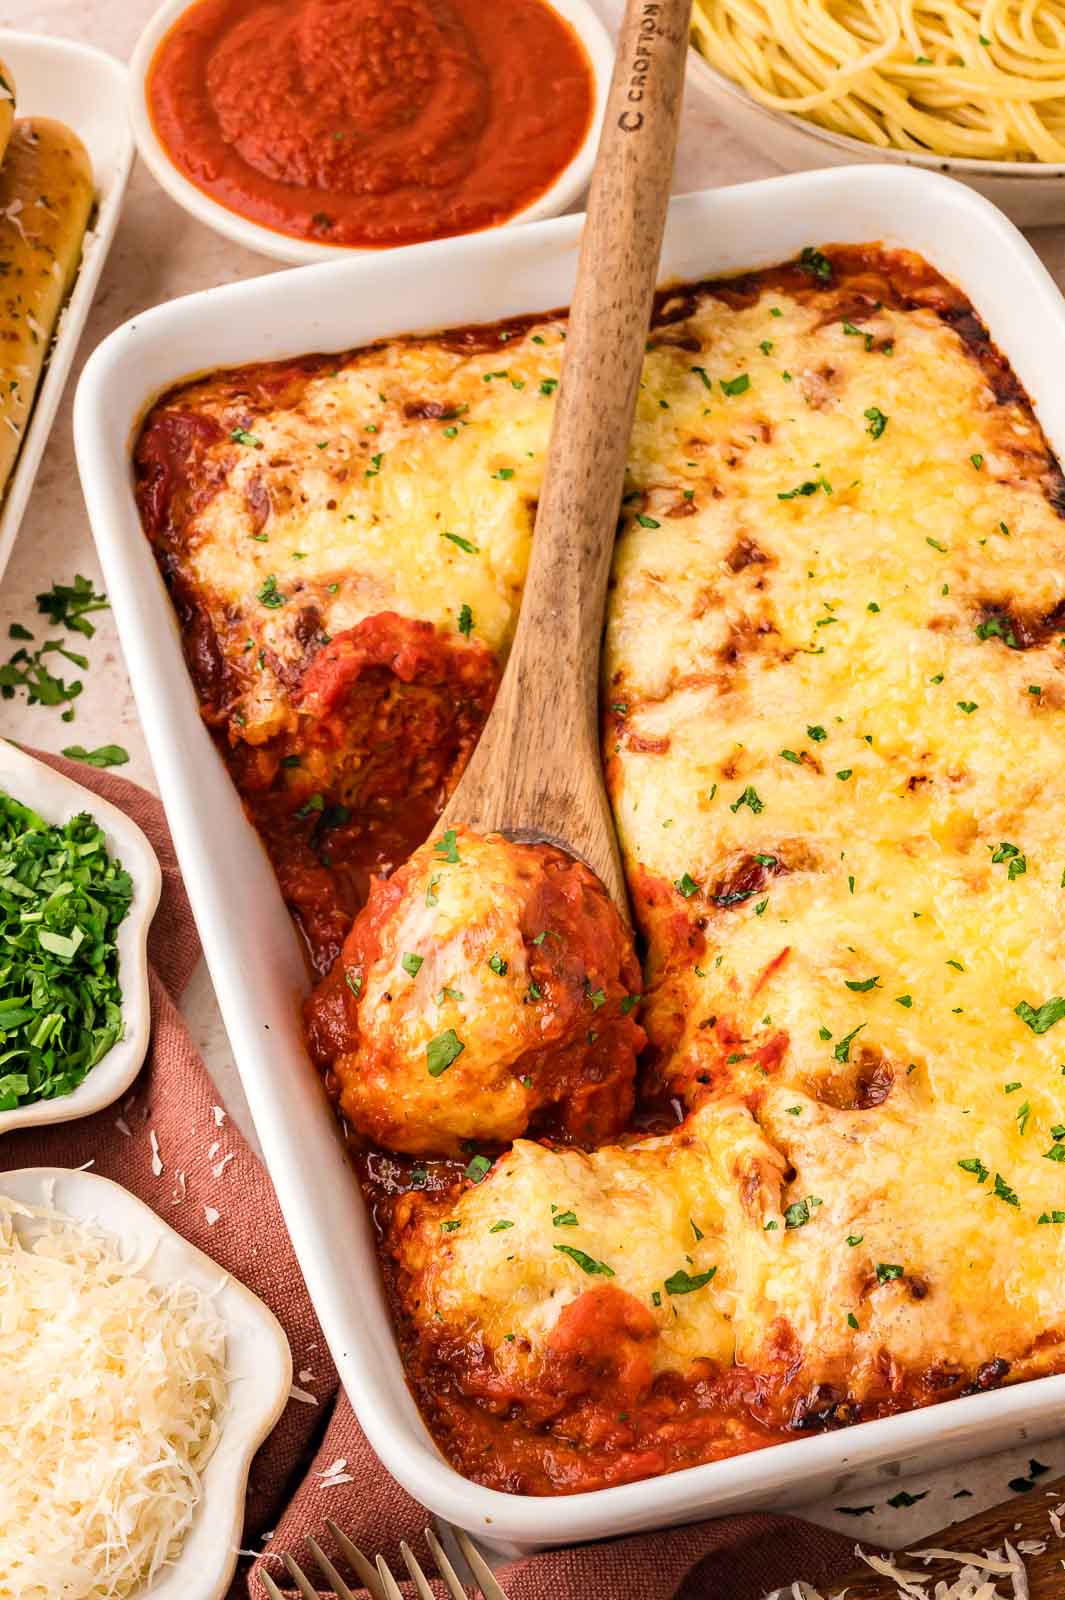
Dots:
pixel 137 1380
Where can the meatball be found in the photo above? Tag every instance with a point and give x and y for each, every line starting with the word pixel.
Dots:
pixel 486 989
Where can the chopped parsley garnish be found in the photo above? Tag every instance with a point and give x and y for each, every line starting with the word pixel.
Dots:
pixel 242 436
pixel 738 385
pixel 354 982
pixel 886 1270
pixel 904 1000
pixel 750 798
pixel 647 522
pixel 977 460
pixel 533 993
pixel 844 773
pixel 811 486
pixel 586 1262
pixel 463 544
pixel 968 706
pixel 855 1239
pixel 1056 1153
pixel 790 755
pixel 270 595
pixel 62 900
pixel 996 628
pixel 548 385
pixel 450 1225
pixel 816 264
pixel 974 1165
pixel 687 886
pixel 412 963
pixel 66 604
pixel 842 1051
pixel 431 896
pixel 442 1052
pixel 684 1282
pixel 504 473
pixel 937 546
pixel 498 965
pixel 598 998
pixel 565 1219
pixel 374 468
pixel 446 847
pixel 766 347
pixel 501 1226
pixel 861 985
pixel 465 620
pixel 876 420
pixel 629 1002
pixel 105 755
pixel 1003 1191
pixel 797 1215
pixel 816 733
pixel 478 1169
pixel 1043 1017
pixel 704 376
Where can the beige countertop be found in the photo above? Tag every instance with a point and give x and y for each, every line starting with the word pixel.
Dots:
pixel 160 253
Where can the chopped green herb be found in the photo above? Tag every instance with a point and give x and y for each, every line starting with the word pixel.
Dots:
pixel 977 461
pixel 968 706
pixel 886 1270
pixel 443 1051
pixel 565 1219
pixel 844 773
pixel 105 755
pixel 1043 1017
pixel 498 965
pixel 876 420
pixel 242 436
pixel 465 620
pixel 852 1320
pixel 501 1226
pixel 974 1165
pixel 463 544
pixel 504 473
pixel 750 798
pixel 412 963
pixel 446 847
pixel 842 1051
pixel 862 985
pixel 687 886
pixel 586 1262
pixel 816 264
pixel 816 733
pixel 1003 1191
pixel 270 595
pixel 684 1282
pixel 478 1169
pixel 738 385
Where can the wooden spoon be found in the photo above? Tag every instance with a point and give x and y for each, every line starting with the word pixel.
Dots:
pixel 537 771
pixel 1023 1517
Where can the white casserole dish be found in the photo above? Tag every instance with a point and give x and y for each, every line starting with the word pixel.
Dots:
pixel 252 948
pixel 86 89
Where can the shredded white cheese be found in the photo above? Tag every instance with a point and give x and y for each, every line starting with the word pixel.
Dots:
pixel 971 1583
pixel 157 1160
pixel 111 1394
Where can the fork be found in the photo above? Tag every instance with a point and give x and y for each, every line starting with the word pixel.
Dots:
pixel 376 1577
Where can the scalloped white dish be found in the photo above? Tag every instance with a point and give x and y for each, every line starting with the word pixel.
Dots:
pixel 258 1362
pixel 566 190
pixel 86 89
pixel 57 799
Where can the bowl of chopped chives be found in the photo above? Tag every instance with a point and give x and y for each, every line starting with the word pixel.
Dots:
pixel 79 885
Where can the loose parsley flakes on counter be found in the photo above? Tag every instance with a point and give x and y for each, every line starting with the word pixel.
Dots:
pixel 105 755
pixel 62 900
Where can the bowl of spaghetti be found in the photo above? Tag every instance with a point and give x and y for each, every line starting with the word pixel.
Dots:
pixel 972 88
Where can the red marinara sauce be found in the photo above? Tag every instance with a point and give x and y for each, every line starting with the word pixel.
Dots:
pixel 371 123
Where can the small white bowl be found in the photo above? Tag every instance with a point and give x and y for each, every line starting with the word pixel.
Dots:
pixel 258 1362
pixel 57 799
pixel 561 196
pixel 1032 194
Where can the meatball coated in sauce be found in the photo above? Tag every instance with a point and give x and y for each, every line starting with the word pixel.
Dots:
pixel 486 990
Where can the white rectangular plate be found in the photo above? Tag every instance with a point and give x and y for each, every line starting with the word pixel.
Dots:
pixel 251 947
pixel 87 90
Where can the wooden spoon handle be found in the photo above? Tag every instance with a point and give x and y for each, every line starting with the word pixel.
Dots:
pixel 1023 1517
pixel 538 762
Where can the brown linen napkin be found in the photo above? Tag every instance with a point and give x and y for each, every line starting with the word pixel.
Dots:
pixel 207 1168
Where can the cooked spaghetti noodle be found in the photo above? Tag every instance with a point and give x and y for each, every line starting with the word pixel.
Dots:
pixel 981 79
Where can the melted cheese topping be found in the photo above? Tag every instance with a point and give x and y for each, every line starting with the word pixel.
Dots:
pixel 810 679
pixel 343 502
pixel 109 1410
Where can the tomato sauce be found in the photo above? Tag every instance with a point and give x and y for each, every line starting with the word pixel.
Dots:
pixel 372 123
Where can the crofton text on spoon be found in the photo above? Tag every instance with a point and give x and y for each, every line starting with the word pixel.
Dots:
pixel 536 773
